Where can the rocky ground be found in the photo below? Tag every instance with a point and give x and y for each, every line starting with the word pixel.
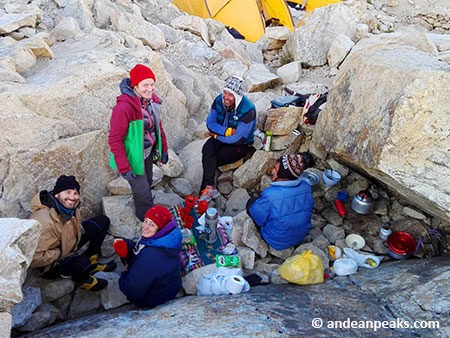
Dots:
pixel 413 292
pixel 61 70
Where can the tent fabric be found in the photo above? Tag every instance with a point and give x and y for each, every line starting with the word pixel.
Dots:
pixel 248 17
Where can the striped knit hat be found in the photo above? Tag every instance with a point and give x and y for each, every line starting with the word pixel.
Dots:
pixel 291 166
pixel 235 85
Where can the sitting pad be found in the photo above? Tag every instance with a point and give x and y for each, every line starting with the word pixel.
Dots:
pixel 194 256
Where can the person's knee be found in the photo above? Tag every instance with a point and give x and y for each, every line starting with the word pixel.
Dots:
pixel 96 224
pixel 209 148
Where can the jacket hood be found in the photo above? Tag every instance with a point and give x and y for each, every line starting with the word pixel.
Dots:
pixel 290 183
pixel 42 200
pixel 171 240
pixel 45 199
pixel 125 87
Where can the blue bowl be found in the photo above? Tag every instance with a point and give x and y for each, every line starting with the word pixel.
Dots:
pixel 331 177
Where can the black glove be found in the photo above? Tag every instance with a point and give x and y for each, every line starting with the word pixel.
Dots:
pixel 129 175
pixel 165 157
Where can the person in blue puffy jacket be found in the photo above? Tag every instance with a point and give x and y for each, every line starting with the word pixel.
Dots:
pixel 283 210
pixel 153 267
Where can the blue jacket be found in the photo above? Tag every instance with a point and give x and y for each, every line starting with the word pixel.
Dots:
pixel 153 275
pixel 283 211
pixel 242 118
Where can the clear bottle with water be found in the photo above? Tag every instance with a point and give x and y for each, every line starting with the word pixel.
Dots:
pixel 211 216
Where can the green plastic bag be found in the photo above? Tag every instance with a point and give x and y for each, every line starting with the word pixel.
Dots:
pixel 302 269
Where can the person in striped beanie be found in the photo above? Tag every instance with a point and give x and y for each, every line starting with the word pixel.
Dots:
pixel 283 211
pixel 231 124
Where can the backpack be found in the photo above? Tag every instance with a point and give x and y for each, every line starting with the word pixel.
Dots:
pixel 313 106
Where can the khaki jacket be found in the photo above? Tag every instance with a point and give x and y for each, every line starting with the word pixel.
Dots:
pixel 59 239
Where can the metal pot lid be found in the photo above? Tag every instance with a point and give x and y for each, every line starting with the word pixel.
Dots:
pixel 364 195
pixel 401 243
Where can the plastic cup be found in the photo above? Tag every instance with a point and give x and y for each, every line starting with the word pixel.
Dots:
pixel 202 206
pixel 184 211
pixel 190 201
pixel 188 222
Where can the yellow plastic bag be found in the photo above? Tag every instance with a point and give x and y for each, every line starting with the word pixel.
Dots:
pixel 302 269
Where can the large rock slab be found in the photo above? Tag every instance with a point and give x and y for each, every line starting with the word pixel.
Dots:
pixel 120 210
pixel 191 157
pixel 13 21
pixel 268 311
pixel 22 311
pixel 283 120
pixel 70 97
pixel 386 114
pixel 136 26
pixel 414 290
pixel 253 169
pixel 311 40
pixel 17 245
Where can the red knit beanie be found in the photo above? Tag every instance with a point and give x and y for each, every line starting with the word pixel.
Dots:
pixel 160 215
pixel 139 73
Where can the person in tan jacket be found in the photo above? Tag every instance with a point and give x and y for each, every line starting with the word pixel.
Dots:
pixel 63 234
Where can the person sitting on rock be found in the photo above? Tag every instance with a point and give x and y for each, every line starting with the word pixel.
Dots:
pixel 231 123
pixel 153 267
pixel 136 136
pixel 283 210
pixel 63 234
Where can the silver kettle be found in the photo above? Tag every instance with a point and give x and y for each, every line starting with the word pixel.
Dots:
pixel 362 203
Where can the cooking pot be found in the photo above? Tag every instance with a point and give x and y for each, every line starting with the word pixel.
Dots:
pixel 400 245
pixel 362 203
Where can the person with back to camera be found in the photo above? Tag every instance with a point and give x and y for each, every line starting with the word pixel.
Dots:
pixel 231 123
pixel 153 267
pixel 283 210
pixel 136 136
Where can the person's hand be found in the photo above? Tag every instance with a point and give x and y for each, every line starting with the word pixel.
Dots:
pixel 129 175
pixel 165 157
pixel 230 131
pixel 121 248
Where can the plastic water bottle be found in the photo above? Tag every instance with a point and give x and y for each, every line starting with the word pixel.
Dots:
pixel 211 225
pixel 268 141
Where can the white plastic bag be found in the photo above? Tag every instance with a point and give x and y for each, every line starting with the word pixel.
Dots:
pixel 345 266
pixel 361 259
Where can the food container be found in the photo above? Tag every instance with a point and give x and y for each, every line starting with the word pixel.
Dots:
pixel 355 241
pixel 331 177
pixel 362 203
pixel 384 233
pixel 400 245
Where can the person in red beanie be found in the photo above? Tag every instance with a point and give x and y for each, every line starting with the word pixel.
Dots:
pixel 136 136
pixel 153 268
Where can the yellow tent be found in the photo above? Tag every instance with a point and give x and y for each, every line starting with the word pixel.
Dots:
pixel 312 4
pixel 248 17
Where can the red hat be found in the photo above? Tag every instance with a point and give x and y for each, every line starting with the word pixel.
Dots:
pixel 160 215
pixel 139 73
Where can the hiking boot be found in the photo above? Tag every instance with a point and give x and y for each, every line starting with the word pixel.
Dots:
pixel 106 267
pixel 93 284
pixel 209 193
